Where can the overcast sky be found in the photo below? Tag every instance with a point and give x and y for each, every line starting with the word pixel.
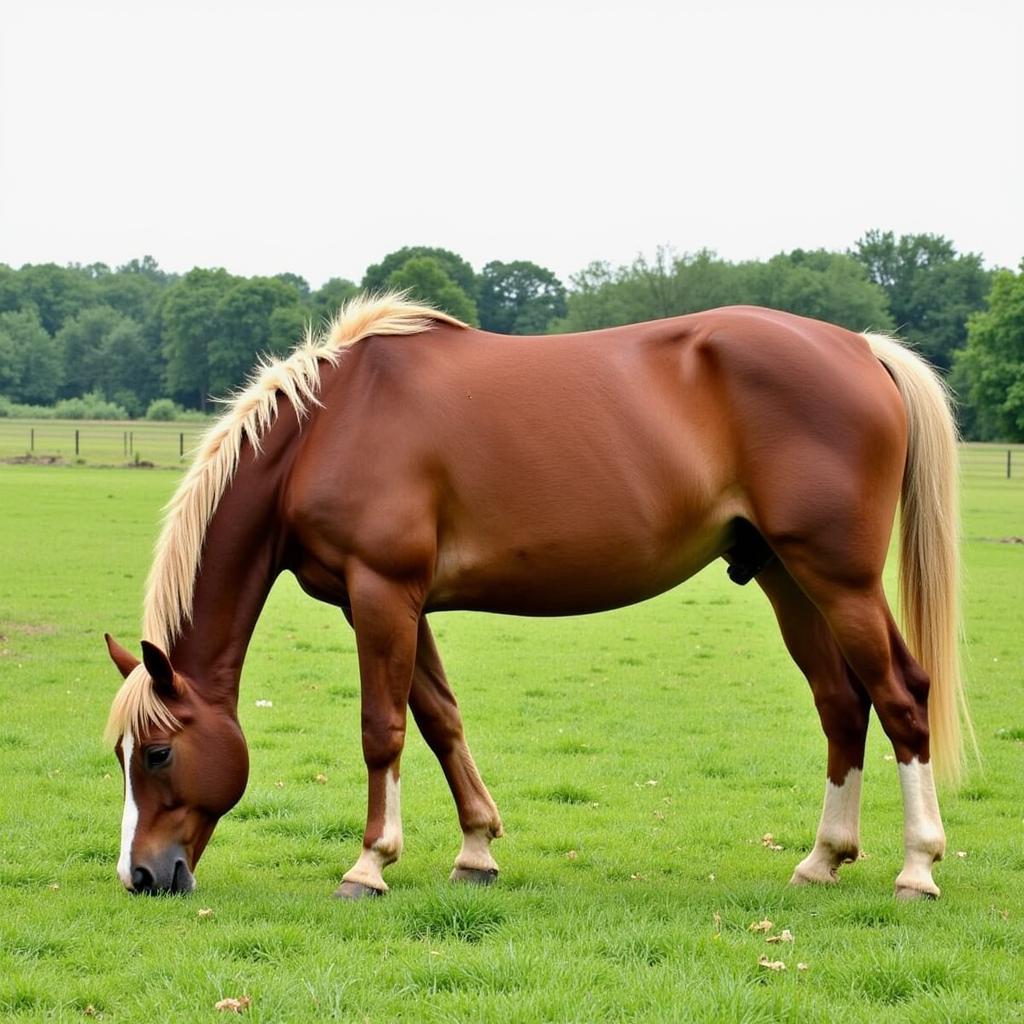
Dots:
pixel 316 137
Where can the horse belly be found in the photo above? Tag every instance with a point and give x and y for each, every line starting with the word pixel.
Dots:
pixel 598 562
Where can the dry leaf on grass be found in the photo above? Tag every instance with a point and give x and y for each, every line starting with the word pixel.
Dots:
pixel 717 918
pixel 768 842
pixel 320 778
pixel 802 967
pixel 961 853
pixel 771 965
pixel 571 855
pixel 264 703
pixel 233 1005
pixel 784 936
pixel 204 912
pixel 761 926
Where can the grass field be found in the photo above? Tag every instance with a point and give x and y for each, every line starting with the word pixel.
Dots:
pixel 638 758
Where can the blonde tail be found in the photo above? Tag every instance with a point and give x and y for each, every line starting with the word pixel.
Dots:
pixel 930 550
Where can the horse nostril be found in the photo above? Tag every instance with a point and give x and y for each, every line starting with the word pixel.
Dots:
pixel 142 879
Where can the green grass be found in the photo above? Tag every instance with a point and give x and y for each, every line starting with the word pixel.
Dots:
pixel 637 757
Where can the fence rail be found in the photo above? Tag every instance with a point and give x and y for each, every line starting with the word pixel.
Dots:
pixel 96 442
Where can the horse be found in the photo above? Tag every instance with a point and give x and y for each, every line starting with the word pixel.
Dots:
pixel 399 462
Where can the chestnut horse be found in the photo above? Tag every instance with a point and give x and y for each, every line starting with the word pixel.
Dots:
pixel 402 463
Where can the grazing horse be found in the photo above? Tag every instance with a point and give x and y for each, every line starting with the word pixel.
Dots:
pixel 400 463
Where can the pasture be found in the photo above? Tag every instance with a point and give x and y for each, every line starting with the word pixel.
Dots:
pixel 639 759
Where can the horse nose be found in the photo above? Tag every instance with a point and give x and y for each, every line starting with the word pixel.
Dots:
pixel 181 878
pixel 142 879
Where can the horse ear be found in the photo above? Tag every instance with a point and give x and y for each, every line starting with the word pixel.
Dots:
pixel 158 665
pixel 124 661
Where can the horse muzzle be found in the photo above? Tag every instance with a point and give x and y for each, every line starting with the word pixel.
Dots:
pixel 168 873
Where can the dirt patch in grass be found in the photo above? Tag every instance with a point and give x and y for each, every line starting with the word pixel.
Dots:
pixel 33 460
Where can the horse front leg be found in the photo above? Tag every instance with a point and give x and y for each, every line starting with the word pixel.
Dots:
pixel 437 714
pixel 385 616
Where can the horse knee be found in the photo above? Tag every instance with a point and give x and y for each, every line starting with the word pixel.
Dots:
pixel 382 743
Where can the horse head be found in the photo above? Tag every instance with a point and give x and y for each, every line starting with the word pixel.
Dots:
pixel 185 765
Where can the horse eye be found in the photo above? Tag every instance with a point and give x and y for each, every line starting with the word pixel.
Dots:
pixel 157 757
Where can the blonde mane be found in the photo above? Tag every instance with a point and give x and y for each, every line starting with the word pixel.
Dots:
pixel 169 589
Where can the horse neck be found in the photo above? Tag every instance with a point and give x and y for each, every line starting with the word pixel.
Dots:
pixel 243 553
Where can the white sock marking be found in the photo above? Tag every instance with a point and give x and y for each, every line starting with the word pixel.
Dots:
pixel 838 831
pixel 923 835
pixel 368 869
pixel 130 817
pixel 840 817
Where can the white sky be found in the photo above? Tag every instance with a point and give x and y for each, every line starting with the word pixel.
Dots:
pixel 317 137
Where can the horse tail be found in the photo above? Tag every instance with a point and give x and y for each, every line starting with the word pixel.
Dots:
pixel 929 575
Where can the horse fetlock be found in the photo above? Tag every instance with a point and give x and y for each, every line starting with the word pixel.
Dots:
pixel 822 864
pixel 475 854
pixel 389 849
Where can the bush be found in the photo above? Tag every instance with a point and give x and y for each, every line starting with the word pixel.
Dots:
pixel 163 409
pixel 19 411
pixel 92 406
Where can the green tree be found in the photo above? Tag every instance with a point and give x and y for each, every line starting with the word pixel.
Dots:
pixel 648 289
pixel 56 293
pixel 135 289
pixel 300 284
pixel 989 370
pixel 131 369
pixel 426 280
pixel 82 340
pixel 325 302
pixel 30 362
pixel 190 318
pixel 257 315
pixel 932 290
pixel 828 286
pixel 378 275
pixel 519 297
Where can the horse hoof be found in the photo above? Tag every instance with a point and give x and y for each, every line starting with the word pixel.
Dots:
pixel 475 876
pixel 356 891
pixel 803 876
pixel 907 893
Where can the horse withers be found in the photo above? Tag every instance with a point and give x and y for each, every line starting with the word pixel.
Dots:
pixel 402 463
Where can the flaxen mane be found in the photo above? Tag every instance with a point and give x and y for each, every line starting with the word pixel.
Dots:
pixel 168 602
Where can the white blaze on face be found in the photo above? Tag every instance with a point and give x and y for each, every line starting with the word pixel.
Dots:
pixel 130 817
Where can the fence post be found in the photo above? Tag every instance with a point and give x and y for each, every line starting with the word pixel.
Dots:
pixel 76 440
pixel 131 442
pixel 1009 455
pixel 124 443
pixel 32 439
pixel 181 445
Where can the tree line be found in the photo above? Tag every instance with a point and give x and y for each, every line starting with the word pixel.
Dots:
pixel 92 340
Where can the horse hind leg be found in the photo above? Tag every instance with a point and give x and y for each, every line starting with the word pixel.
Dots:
pixel 843 707
pixel 437 715
pixel 857 613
